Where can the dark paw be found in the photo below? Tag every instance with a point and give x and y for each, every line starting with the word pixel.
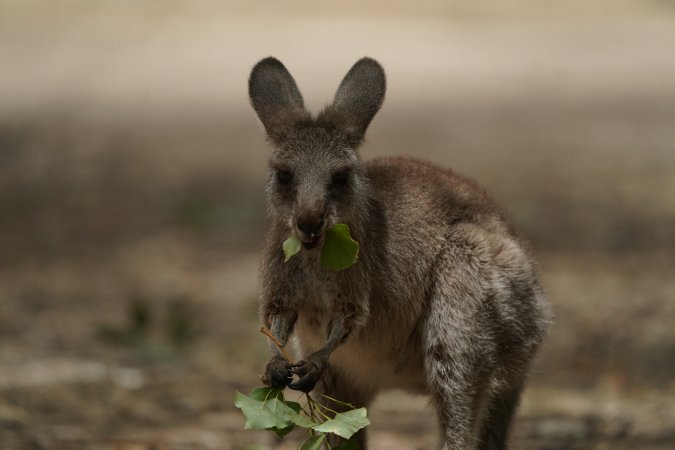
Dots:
pixel 309 373
pixel 277 373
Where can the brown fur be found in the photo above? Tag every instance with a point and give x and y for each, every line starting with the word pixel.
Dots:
pixel 444 299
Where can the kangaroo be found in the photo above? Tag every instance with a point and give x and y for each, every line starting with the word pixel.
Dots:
pixel 444 299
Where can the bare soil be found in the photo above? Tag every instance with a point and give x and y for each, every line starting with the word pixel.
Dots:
pixel 79 369
pixel 132 213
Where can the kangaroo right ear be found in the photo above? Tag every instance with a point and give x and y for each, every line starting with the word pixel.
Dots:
pixel 275 98
pixel 357 100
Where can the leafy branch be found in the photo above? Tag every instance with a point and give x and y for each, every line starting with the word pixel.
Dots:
pixel 267 409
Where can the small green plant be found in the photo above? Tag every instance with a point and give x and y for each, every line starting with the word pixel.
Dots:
pixel 141 329
pixel 136 329
pixel 265 408
pixel 182 326
pixel 339 250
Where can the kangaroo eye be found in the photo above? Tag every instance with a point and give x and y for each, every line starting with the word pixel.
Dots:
pixel 340 178
pixel 284 176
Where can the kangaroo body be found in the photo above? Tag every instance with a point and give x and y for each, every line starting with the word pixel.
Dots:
pixel 444 299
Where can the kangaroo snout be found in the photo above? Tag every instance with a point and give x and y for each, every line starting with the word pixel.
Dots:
pixel 310 226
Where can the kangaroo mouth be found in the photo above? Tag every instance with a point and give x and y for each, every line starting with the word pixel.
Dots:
pixel 312 242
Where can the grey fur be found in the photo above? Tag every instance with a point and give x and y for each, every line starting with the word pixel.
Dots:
pixel 445 298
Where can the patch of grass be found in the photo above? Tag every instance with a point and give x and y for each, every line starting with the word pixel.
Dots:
pixel 181 326
pixel 153 332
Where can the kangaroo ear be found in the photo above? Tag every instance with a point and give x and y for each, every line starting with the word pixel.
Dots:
pixel 357 100
pixel 275 98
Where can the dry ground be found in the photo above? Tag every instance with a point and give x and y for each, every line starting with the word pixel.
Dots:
pixel 131 204
pixel 603 380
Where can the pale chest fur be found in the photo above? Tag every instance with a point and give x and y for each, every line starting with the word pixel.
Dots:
pixel 368 362
pixel 316 303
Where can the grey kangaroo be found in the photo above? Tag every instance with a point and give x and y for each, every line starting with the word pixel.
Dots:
pixel 444 299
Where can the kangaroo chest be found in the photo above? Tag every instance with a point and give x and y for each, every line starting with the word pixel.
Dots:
pixel 317 306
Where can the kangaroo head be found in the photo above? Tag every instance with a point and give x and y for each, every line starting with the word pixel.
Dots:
pixel 316 178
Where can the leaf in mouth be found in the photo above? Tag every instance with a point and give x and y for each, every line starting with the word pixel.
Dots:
pixel 291 246
pixel 339 250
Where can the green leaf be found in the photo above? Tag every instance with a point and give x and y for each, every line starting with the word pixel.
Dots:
pixel 294 406
pixel 283 431
pixel 349 445
pixel 266 393
pixel 266 409
pixel 301 418
pixel 345 424
pixel 262 415
pixel 314 443
pixel 291 246
pixel 339 250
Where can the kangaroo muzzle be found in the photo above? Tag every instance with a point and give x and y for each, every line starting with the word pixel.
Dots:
pixel 310 225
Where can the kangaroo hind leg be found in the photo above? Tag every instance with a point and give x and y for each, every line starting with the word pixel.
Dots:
pixel 501 410
pixel 336 385
pixel 459 352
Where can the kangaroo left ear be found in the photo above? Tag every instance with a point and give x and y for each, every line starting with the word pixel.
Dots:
pixel 357 100
pixel 276 98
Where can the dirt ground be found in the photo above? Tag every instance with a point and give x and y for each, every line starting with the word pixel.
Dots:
pixel 106 356
pixel 132 209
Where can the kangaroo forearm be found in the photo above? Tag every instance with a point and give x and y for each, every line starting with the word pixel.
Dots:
pixel 281 325
pixel 309 370
pixel 338 333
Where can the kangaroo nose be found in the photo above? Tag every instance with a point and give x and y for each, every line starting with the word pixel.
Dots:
pixel 310 224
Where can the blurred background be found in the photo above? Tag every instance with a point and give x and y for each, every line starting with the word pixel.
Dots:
pixel 132 207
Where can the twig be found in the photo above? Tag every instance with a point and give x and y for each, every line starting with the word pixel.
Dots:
pixel 320 405
pixel 325 416
pixel 348 405
pixel 266 331
pixel 311 408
